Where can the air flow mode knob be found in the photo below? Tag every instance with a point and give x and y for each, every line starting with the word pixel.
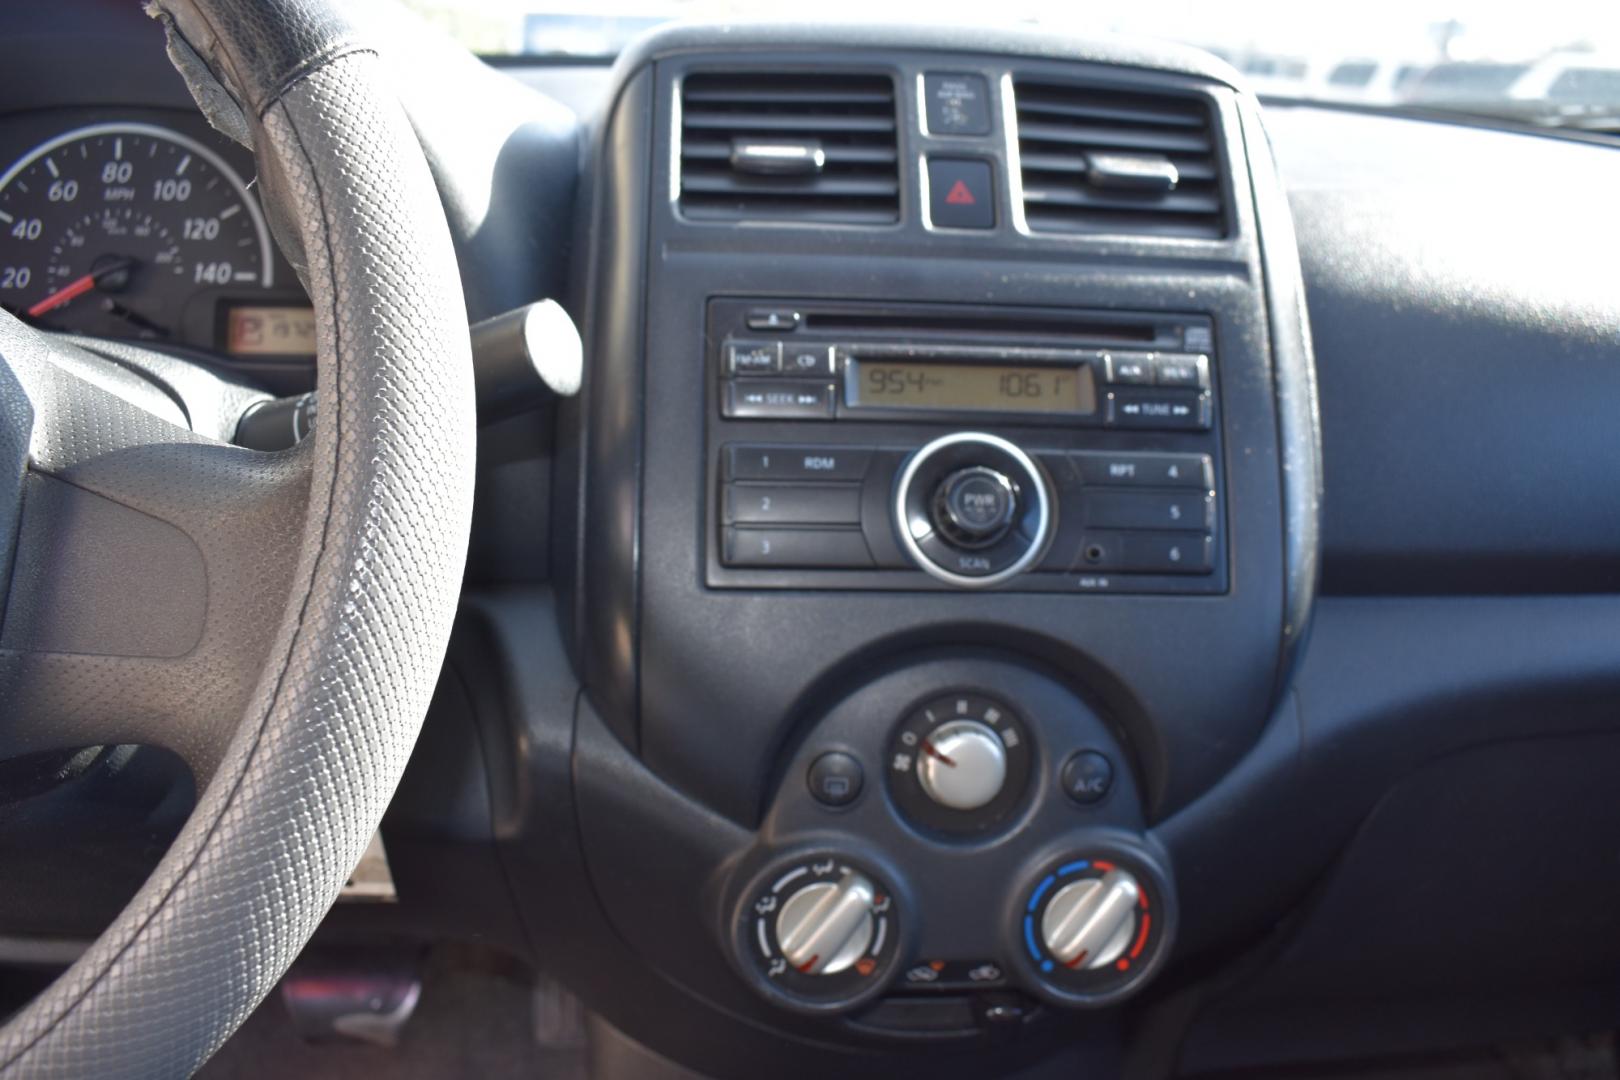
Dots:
pixel 826 926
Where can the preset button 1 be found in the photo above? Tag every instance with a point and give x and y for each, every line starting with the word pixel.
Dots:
pixel 771 462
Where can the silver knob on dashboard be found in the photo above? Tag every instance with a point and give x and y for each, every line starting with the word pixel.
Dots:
pixel 1088 924
pixel 963 765
pixel 825 927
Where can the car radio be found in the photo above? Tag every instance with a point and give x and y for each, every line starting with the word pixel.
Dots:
pixel 858 445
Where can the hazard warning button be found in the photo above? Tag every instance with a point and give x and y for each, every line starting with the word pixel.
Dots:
pixel 961 194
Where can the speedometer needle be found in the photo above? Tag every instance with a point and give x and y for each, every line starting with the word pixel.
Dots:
pixel 78 287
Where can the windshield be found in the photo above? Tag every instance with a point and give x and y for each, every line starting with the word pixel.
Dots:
pixel 1556 61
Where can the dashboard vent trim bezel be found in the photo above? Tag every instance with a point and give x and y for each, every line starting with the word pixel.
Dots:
pixel 852 117
pixel 1070 117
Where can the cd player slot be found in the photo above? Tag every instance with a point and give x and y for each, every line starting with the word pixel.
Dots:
pixel 1025 324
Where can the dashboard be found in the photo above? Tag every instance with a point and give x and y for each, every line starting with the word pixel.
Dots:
pixel 1054 564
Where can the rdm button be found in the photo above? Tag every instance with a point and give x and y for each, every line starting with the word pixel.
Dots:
pixel 961 194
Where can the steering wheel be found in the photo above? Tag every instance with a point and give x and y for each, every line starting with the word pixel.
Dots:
pixel 277 620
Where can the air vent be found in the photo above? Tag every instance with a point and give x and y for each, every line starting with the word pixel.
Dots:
pixel 1121 163
pixel 789 147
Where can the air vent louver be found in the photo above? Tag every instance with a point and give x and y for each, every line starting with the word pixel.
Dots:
pixel 1100 161
pixel 797 147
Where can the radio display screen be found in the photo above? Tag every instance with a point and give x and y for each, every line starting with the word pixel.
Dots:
pixel 885 384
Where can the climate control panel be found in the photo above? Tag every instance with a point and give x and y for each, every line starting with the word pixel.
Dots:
pixel 999 867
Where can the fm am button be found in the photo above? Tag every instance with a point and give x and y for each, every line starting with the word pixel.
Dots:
pixel 961 194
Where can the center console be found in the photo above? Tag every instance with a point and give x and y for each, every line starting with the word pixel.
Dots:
pixel 944 526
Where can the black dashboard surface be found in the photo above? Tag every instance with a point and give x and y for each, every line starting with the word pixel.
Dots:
pixel 1466 316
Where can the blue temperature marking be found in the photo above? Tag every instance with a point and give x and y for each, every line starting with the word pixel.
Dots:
pixel 1029 936
pixel 1046 965
pixel 1073 868
pixel 1040 891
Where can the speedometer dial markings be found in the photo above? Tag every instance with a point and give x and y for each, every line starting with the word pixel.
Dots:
pixel 121 236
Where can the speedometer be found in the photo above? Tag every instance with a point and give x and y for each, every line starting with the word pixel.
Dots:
pixel 112 229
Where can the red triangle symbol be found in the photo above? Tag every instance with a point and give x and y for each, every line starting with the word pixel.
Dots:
pixel 959 195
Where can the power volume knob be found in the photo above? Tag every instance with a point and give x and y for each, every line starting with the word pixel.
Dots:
pixel 973 509
pixel 824 928
pixel 1090 923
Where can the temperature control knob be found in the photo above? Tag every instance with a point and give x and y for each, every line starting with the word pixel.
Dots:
pixel 1090 923
pixel 963 765
pixel 818 933
pixel 1093 927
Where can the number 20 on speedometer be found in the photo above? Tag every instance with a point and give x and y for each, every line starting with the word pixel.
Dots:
pixel 113 229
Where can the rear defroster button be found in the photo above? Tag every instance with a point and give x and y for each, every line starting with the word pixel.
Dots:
pixel 835 779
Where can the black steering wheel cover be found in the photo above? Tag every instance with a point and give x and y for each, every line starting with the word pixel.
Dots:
pixel 309 772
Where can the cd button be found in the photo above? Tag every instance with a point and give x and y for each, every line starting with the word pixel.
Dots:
pixel 807 360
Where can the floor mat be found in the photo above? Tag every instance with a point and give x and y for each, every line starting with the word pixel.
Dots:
pixel 475 1018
